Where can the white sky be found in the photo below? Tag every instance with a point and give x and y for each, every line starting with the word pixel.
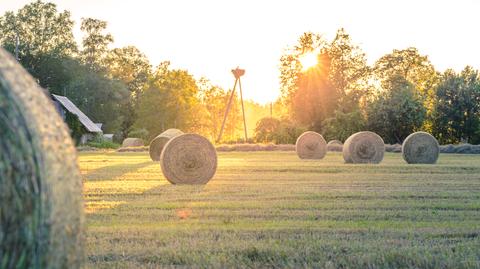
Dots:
pixel 210 37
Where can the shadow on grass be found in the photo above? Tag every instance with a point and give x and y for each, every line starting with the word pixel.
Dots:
pixel 112 172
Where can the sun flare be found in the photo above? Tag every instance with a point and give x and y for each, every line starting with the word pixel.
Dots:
pixel 308 60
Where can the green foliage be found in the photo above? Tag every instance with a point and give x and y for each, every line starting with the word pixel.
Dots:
pixel 100 142
pixel 456 115
pixel 277 131
pixel 170 101
pixel 343 125
pixel 75 126
pixel 140 133
pixel 397 112
pixel 267 130
pixel 95 42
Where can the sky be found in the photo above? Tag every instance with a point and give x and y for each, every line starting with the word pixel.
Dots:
pixel 210 37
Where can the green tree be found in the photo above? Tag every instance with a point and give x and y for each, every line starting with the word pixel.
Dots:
pixel 131 66
pixel 343 125
pixel 45 41
pixel 397 112
pixel 95 42
pixel 413 67
pixel 456 114
pixel 169 101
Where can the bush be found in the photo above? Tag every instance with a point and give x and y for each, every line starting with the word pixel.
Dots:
pixel 342 125
pixel 100 142
pixel 277 131
pixel 140 133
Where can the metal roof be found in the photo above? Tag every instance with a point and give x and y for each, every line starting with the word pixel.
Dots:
pixel 72 108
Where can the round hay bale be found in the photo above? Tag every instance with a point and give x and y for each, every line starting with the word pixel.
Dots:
pixel 157 144
pixel 334 145
pixel 188 159
pixel 364 147
pixel 311 145
pixel 41 208
pixel 132 142
pixel 420 147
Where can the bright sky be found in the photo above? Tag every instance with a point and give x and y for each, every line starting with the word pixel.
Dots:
pixel 210 37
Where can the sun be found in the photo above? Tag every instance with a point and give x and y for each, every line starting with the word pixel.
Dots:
pixel 308 60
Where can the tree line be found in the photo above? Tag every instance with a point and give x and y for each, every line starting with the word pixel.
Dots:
pixel 399 94
pixel 342 94
pixel 118 87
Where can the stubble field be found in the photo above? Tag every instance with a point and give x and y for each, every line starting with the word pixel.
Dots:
pixel 271 209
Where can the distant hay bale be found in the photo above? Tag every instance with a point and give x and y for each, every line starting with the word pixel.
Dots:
pixel 420 147
pixel 364 147
pixel 334 145
pixel 188 159
pixel 132 142
pixel 393 148
pixel 157 144
pixel 41 208
pixel 311 145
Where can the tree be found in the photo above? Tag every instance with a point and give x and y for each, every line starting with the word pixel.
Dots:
pixel 95 42
pixel 339 81
pixel 169 101
pixel 45 41
pixel 456 114
pixel 131 66
pixel 397 112
pixel 413 67
pixel 343 125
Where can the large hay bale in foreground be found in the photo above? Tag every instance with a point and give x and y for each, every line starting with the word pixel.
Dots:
pixel 364 147
pixel 188 159
pixel 420 147
pixel 311 145
pixel 41 208
pixel 132 142
pixel 157 144
pixel 334 145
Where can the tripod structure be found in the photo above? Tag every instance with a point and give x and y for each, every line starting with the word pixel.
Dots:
pixel 237 73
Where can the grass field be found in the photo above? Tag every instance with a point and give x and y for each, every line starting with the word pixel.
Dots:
pixel 269 209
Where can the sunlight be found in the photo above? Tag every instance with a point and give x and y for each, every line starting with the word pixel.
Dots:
pixel 308 60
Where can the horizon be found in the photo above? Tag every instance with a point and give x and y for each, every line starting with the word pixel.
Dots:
pixel 252 37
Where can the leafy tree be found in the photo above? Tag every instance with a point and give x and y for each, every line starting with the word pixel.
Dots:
pixel 456 115
pixel 169 101
pixel 413 67
pixel 267 130
pixel 95 42
pixel 342 125
pixel 45 41
pixel 131 66
pixel 397 112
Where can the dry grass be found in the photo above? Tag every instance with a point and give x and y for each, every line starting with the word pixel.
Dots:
pixel 270 209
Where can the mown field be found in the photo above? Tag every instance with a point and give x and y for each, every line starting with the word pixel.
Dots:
pixel 270 209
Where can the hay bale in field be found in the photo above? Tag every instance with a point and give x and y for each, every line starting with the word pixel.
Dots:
pixel 420 147
pixel 132 142
pixel 157 144
pixel 334 145
pixel 133 149
pixel 188 159
pixel 364 147
pixel 311 145
pixel 41 208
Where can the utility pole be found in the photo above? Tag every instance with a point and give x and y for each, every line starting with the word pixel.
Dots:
pixel 237 73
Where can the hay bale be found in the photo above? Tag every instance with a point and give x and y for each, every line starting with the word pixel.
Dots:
pixel 393 148
pixel 157 144
pixel 132 142
pixel 311 145
pixel 41 208
pixel 334 145
pixel 188 159
pixel 364 147
pixel 420 147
